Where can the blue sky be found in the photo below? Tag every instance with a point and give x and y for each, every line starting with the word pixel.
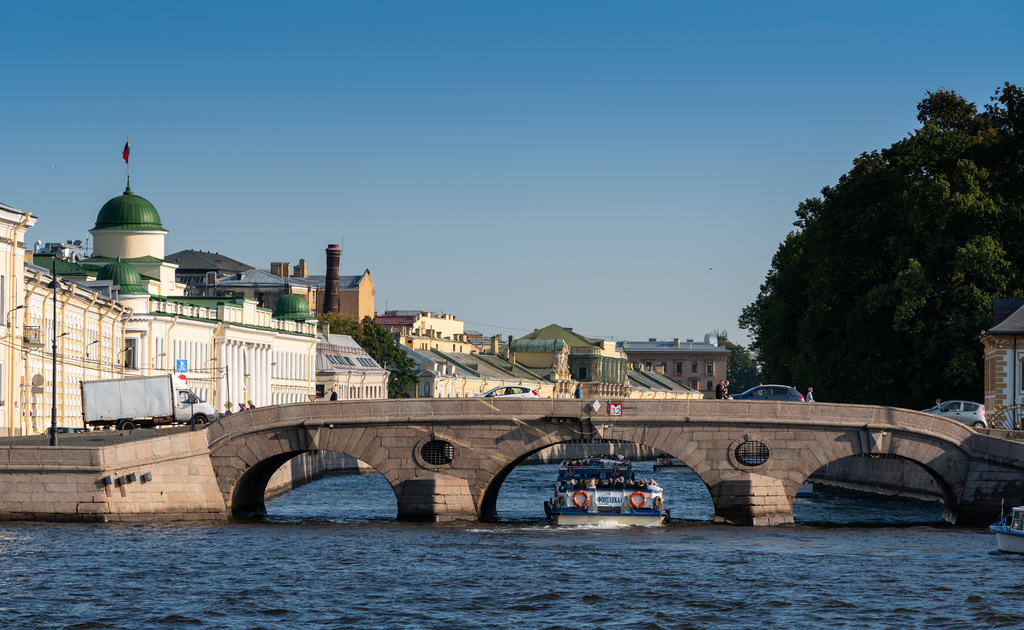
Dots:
pixel 625 169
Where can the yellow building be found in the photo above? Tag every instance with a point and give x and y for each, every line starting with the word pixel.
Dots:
pixel 423 330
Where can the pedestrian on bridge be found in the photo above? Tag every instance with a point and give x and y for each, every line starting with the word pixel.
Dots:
pixel 810 395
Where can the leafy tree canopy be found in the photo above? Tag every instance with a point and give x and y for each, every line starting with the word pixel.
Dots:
pixel 880 294
pixel 379 344
pixel 740 368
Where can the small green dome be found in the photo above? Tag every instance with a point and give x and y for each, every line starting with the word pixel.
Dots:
pixel 125 275
pixel 291 306
pixel 128 211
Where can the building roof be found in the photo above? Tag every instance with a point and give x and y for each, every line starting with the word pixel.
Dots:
pixel 473 365
pixel 554 331
pixel 1012 325
pixel 128 211
pixel 652 381
pixel 195 261
pixel 123 274
pixel 259 277
pixel 64 268
pixel 102 260
pixel 341 353
pixel 670 346
pixel 291 306
pixel 344 282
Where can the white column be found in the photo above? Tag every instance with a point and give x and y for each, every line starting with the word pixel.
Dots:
pixel 267 382
pixel 257 370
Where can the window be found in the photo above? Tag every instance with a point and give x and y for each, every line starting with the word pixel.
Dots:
pixel 710 386
pixel 711 367
pixel 129 352
pixel 694 384
pixel 583 373
pixel 679 367
pixel 693 368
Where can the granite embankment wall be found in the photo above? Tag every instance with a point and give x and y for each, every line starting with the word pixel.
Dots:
pixel 883 474
pixel 165 478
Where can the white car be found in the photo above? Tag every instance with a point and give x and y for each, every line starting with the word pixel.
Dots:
pixel 970 413
pixel 514 391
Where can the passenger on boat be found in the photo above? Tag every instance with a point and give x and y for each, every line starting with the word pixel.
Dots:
pixel 653 486
pixel 619 482
pixel 591 483
pixel 564 486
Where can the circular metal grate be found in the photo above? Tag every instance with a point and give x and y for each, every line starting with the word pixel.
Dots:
pixel 438 452
pixel 752 453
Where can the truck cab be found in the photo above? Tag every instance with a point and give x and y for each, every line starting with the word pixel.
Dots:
pixel 189 406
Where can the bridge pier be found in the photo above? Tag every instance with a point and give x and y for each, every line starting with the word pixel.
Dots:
pixel 751 499
pixel 435 498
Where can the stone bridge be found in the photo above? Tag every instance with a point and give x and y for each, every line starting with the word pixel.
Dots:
pixel 447 458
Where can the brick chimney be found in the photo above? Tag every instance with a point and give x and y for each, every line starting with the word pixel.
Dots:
pixel 300 269
pixel 331 301
pixel 281 269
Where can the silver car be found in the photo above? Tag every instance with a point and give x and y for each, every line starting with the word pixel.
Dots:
pixel 970 413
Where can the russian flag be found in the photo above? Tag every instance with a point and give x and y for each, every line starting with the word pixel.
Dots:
pixel 124 153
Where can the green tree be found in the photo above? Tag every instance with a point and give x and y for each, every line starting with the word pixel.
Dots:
pixel 740 367
pixel 879 295
pixel 380 344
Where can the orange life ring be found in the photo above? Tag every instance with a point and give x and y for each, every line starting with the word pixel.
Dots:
pixel 663 461
pixel 576 498
pixel 632 500
pixel 615 472
pixel 569 472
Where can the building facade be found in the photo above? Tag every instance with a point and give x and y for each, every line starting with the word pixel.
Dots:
pixel 347 369
pixel 695 365
pixel 1004 358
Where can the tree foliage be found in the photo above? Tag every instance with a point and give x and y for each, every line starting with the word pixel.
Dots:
pixel 880 294
pixel 379 344
pixel 740 368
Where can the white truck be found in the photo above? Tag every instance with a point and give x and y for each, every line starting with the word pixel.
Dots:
pixel 128 403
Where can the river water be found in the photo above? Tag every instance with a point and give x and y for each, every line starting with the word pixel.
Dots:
pixel 331 555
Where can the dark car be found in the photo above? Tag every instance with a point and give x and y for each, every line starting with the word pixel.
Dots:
pixel 771 392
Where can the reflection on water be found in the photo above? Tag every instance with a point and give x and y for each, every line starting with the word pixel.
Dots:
pixel 331 555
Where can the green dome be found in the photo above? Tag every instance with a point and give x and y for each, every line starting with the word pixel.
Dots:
pixel 128 212
pixel 291 306
pixel 125 275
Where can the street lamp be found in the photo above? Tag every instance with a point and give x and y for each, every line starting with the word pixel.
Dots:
pixel 152 363
pixel 87 347
pixel 7 318
pixel 53 381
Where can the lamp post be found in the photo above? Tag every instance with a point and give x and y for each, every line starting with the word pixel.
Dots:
pixel 53 381
pixel 87 347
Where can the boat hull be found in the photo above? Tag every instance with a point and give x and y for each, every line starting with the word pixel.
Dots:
pixel 607 518
pixel 1008 540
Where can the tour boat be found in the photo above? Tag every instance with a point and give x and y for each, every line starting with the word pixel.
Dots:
pixel 806 490
pixel 668 463
pixel 1010 531
pixel 609 505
